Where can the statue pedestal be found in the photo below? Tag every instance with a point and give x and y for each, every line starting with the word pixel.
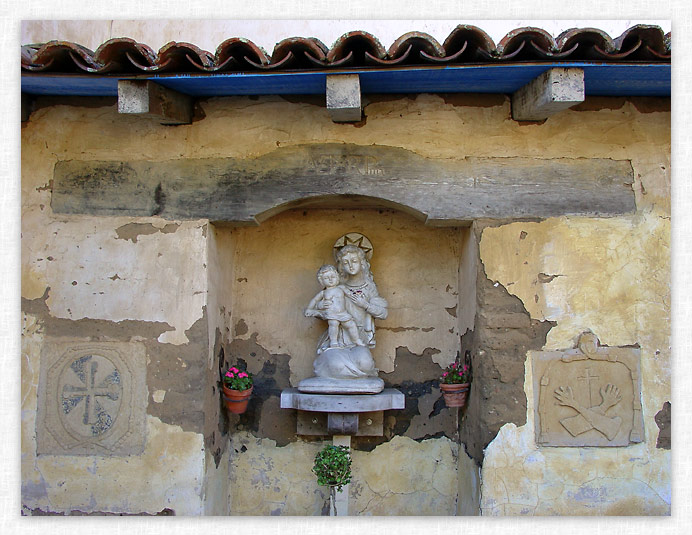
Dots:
pixel 388 399
pixel 341 414
pixel 325 385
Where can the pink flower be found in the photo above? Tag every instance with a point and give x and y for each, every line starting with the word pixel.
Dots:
pixel 444 374
pixel 242 374
pixel 454 365
pixel 234 369
pixel 229 374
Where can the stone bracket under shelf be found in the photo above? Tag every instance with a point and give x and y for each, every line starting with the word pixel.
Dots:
pixel 341 414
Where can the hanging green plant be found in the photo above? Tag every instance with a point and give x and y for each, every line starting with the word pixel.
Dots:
pixel 333 468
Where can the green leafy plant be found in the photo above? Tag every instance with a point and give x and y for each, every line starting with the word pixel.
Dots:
pixel 333 468
pixel 455 373
pixel 236 379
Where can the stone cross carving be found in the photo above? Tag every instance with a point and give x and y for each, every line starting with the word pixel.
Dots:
pixel 349 303
pixel 92 385
pixel 588 396
pixel 92 398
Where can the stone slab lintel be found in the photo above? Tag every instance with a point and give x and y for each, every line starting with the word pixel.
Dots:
pixel 555 90
pixel 148 99
pixel 343 98
pixel 249 191
pixel 388 399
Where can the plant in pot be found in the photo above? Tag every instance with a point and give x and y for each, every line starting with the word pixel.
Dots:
pixel 455 383
pixel 237 388
pixel 333 468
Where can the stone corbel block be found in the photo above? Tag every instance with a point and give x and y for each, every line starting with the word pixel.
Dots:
pixel 343 98
pixel 149 99
pixel 555 90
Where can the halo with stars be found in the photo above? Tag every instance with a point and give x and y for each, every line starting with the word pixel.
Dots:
pixel 357 239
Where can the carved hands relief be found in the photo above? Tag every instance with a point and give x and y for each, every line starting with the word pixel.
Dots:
pixel 588 396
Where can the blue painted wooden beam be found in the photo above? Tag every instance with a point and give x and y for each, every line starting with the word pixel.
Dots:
pixel 599 78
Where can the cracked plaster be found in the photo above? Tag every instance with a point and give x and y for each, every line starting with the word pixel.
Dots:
pixel 169 472
pixel 54 132
pixel 519 478
pixel 269 297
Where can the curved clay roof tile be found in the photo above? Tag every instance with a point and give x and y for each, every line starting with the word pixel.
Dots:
pixel 592 43
pixel 469 42
pixel 238 51
pixel 654 43
pixel 302 52
pixel 515 41
pixel 549 55
pixel 420 41
pixel 466 44
pixel 53 55
pixel 446 58
pixel 352 47
pixel 180 57
pixel 122 54
pixel 401 59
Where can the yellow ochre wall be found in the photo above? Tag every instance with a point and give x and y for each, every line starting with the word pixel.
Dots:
pixel 612 275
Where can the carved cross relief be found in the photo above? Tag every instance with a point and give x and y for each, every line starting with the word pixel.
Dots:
pixel 588 396
pixel 92 398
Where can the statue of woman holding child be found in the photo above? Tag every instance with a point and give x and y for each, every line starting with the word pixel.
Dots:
pixel 349 303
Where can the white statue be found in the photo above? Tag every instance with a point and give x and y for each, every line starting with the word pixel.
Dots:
pixel 330 305
pixel 350 303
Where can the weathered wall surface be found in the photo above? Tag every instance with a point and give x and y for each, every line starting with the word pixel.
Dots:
pixel 610 276
pixel 275 278
pixel 108 281
pixel 150 280
pixel 401 477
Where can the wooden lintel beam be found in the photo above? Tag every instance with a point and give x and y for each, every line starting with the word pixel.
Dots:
pixel 343 98
pixel 555 90
pixel 149 99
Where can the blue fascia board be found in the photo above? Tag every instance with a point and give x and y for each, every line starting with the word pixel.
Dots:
pixel 599 79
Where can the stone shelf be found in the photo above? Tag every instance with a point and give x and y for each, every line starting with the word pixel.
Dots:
pixel 388 399
pixel 341 414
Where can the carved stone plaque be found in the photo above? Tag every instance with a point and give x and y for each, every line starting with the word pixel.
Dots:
pixel 588 396
pixel 92 399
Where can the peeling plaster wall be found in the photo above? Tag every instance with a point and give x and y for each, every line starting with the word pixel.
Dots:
pixel 610 276
pixel 105 280
pixel 219 304
pixel 401 477
pixel 81 273
pixel 520 479
pixel 275 279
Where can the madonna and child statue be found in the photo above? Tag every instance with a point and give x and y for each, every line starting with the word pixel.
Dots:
pixel 349 304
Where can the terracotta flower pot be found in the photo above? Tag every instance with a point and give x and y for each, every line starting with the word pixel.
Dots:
pixel 455 394
pixel 236 400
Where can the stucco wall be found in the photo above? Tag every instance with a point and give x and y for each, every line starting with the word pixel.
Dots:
pixel 611 276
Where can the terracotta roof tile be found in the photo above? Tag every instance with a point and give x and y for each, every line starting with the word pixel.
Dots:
pixel 357 49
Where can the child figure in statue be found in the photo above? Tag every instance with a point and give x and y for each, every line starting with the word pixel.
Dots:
pixel 330 304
